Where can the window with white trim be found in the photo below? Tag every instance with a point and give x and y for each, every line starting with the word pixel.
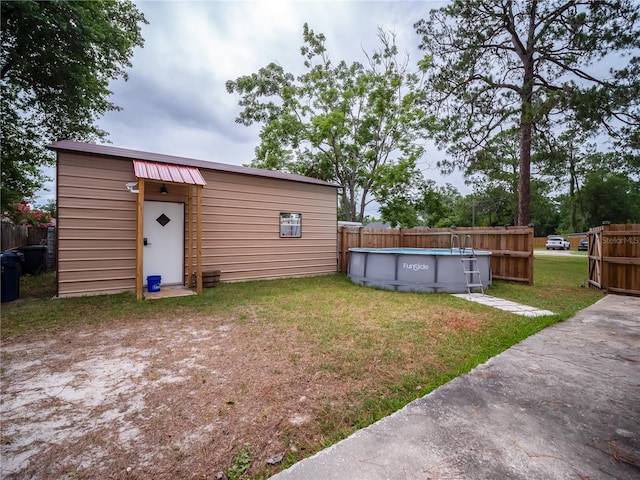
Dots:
pixel 290 225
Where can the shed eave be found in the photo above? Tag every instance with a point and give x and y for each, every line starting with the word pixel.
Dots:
pixel 109 151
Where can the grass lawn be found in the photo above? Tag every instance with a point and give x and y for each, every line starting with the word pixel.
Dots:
pixel 363 353
pixel 560 285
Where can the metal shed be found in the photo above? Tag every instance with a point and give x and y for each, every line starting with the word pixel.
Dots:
pixel 125 214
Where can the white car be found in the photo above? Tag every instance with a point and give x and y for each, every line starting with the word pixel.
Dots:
pixel 555 242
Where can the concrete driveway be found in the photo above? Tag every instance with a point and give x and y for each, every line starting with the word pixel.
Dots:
pixel 562 404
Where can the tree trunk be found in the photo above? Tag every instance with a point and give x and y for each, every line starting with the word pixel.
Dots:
pixel 572 191
pixel 346 208
pixel 515 188
pixel 348 201
pixel 363 205
pixel 526 127
pixel 526 123
pixel 524 184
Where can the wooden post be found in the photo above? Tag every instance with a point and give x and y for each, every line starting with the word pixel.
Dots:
pixel 343 250
pixel 604 253
pixel 595 258
pixel 530 259
pixel 339 247
pixel 189 234
pixel 199 238
pixel 139 238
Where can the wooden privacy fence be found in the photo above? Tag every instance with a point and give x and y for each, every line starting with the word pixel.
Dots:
pixel 20 236
pixel 614 258
pixel 511 247
pixel 16 236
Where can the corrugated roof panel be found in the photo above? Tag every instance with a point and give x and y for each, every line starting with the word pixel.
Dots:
pixel 168 173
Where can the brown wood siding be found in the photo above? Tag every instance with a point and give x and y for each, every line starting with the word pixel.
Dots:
pixel 240 225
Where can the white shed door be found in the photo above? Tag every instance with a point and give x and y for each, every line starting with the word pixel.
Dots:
pixel 164 242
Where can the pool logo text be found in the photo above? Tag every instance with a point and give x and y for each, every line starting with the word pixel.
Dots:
pixel 415 266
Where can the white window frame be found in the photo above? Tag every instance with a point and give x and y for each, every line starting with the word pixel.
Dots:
pixel 290 225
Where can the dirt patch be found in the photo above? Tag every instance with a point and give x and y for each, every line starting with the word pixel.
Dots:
pixel 180 394
pixel 161 399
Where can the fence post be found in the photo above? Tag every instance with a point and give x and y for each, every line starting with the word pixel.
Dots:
pixel 51 247
pixel 530 260
pixel 343 250
pixel 604 253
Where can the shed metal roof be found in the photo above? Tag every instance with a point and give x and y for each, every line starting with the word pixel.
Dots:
pixel 168 173
pixel 109 151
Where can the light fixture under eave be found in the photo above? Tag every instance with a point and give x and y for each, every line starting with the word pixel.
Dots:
pixel 131 185
pixel 163 189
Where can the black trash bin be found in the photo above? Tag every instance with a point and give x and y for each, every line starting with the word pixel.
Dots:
pixel 35 259
pixel 11 261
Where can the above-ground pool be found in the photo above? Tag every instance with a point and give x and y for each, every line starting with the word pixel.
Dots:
pixel 417 269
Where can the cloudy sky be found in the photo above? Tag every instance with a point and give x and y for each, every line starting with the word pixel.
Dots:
pixel 175 101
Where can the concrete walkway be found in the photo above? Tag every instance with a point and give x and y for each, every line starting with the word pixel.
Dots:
pixel 562 404
pixel 502 304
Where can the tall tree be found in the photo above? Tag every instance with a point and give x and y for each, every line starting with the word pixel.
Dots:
pixel 613 197
pixel 359 125
pixel 569 158
pixel 565 159
pixel 501 64
pixel 493 172
pixel 545 214
pixel 446 207
pixel 407 199
pixel 57 60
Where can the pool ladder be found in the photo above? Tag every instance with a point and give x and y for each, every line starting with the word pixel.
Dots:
pixel 469 262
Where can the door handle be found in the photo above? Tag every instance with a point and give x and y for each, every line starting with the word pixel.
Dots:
pixel 145 242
